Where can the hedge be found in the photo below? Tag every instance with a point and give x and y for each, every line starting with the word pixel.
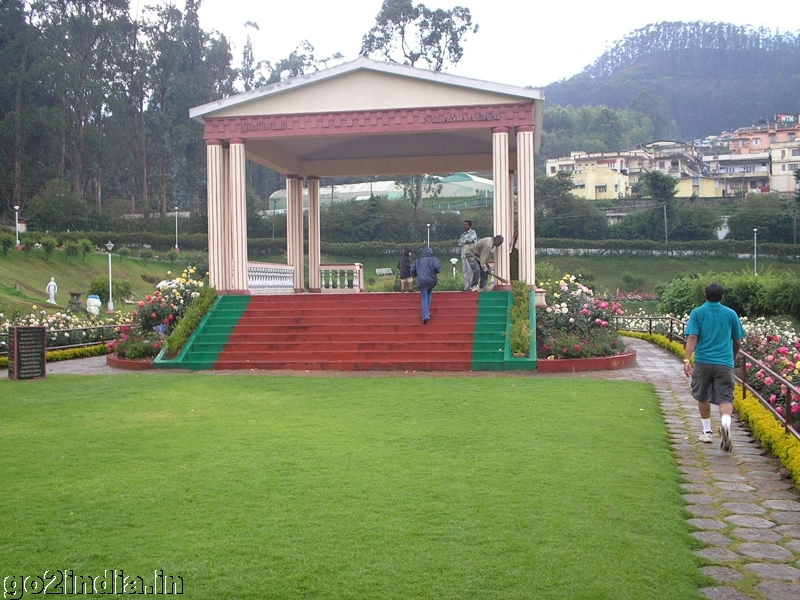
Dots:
pixel 68 354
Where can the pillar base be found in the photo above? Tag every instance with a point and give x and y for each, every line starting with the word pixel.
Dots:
pixel 314 290
pixel 233 292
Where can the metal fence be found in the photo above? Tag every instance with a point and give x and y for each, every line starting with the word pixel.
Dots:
pixel 675 329
pixel 77 337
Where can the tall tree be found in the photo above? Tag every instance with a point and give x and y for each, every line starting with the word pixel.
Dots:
pixel 405 33
pixel 81 36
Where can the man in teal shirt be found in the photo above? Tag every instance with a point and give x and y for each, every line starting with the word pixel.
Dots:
pixel 714 335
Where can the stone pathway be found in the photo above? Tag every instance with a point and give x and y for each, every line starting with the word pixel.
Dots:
pixel 743 506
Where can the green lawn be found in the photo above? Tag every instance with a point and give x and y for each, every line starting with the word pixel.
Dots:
pixel 358 487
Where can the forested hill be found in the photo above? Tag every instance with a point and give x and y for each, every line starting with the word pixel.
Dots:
pixel 711 76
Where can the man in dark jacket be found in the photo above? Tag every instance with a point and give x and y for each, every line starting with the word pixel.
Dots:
pixel 404 266
pixel 426 269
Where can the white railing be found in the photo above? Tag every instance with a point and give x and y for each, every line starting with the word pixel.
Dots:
pixel 270 278
pixel 342 278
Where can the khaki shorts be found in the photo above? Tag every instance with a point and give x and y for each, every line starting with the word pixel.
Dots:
pixel 712 383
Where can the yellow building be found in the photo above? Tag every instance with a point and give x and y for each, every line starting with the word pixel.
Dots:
pixel 702 187
pixel 599 183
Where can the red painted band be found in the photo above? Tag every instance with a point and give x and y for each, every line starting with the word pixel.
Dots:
pixel 371 121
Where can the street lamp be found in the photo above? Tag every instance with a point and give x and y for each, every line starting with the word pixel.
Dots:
pixel 429 233
pixel 176 230
pixel 454 260
pixel 755 251
pixel 16 223
pixel 110 247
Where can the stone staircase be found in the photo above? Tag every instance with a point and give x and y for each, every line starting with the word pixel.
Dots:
pixel 353 332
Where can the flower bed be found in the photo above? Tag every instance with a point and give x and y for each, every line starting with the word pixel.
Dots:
pixel 156 316
pixel 776 344
pixel 575 324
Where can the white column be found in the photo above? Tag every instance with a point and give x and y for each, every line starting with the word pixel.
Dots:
pixel 290 260
pixel 294 229
pixel 314 284
pixel 525 199
pixel 501 194
pixel 238 216
pixel 215 181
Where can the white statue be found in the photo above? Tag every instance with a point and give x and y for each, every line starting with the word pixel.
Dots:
pixel 51 290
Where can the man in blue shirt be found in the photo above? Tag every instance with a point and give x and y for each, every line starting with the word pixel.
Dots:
pixel 714 335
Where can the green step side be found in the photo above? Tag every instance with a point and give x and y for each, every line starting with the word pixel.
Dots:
pixel 211 335
pixel 489 342
pixel 491 348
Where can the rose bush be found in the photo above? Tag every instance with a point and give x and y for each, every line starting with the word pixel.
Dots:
pixel 162 309
pixel 575 323
pixel 776 344
pixel 65 329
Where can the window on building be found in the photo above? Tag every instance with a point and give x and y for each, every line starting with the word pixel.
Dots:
pixel 795 151
pixel 661 164
pixel 794 166
pixel 791 137
pixel 601 189
pixel 674 164
pixel 757 142
pixel 552 169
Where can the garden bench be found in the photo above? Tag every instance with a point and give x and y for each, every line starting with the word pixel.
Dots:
pixel 384 271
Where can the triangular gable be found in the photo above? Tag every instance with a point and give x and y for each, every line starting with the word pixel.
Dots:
pixel 362 85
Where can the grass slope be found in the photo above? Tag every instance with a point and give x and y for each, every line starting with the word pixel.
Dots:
pixel 23 277
pixel 287 487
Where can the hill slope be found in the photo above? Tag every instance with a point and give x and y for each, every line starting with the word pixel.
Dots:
pixel 712 76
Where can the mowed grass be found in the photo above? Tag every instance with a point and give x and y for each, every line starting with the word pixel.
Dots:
pixel 320 487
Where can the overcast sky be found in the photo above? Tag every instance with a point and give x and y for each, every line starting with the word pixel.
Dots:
pixel 519 42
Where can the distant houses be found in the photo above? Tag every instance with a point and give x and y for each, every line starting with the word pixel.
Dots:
pixel 758 159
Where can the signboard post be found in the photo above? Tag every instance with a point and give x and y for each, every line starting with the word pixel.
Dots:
pixel 26 347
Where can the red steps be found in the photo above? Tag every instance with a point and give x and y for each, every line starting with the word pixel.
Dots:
pixel 353 332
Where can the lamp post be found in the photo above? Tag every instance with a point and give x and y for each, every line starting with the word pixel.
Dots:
pixel 429 233
pixel 16 223
pixel 110 247
pixel 176 230
pixel 755 251
pixel 454 260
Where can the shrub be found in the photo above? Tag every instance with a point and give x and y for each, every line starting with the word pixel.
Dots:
pixel 86 246
pixel 7 242
pixel 146 255
pixel 124 251
pixel 519 312
pixel 72 249
pixel 48 245
pixel 133 344
pixel 120 288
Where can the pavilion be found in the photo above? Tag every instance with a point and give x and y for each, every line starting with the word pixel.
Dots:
pixel 365 117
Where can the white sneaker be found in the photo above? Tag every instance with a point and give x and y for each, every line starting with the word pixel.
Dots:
pixel 707 437
pixel 725 434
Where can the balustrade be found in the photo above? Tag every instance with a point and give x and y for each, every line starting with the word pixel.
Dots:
pixel 270 278
pixel 342 277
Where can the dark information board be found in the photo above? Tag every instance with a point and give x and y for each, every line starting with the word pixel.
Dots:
pixel 26 346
